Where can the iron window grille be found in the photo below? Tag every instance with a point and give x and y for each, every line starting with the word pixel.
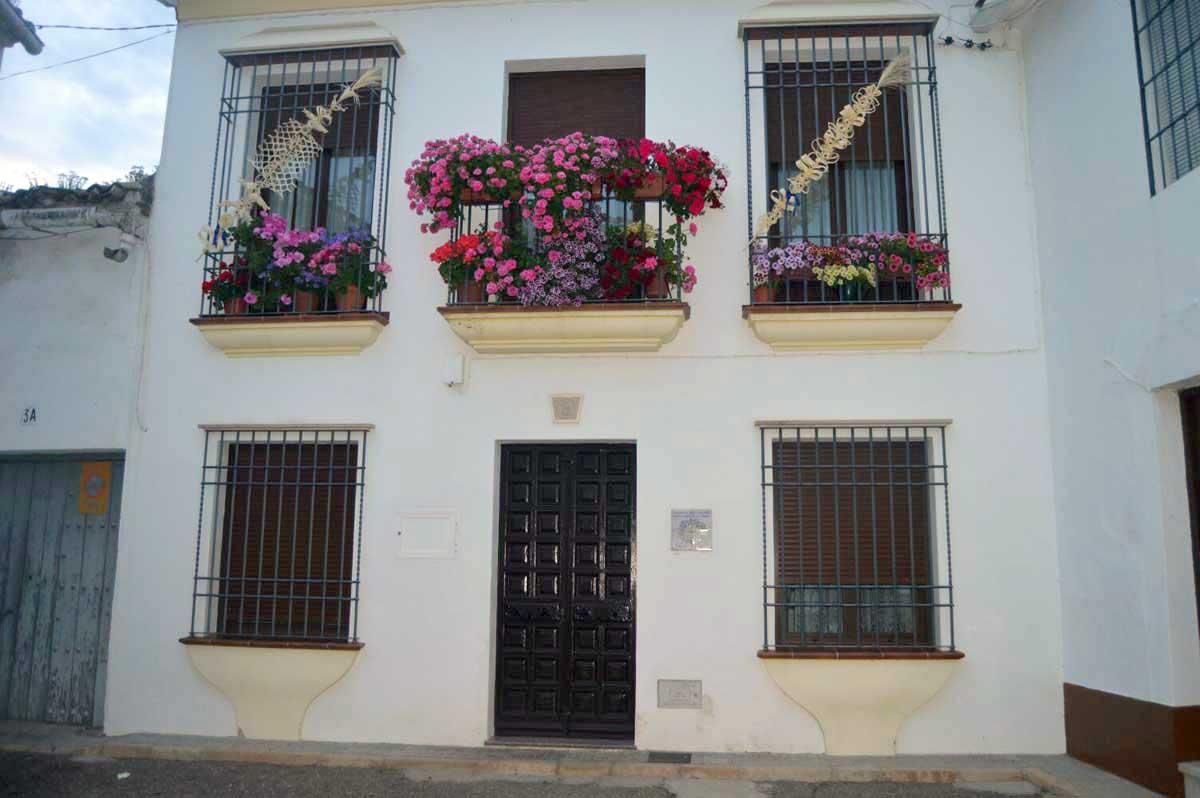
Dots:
pixel 343 190
pixel 1167 37
pixel 279 538
pixel 889 180
pixel 856 537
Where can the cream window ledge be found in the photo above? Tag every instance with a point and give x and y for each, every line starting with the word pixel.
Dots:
pixel 790 328
pixel 861 698
pixel 292 334
pixel 602 327
pixel 270 684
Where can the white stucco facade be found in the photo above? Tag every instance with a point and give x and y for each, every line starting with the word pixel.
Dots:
pixel 72 338
pixel 425 674
pixel 1120 280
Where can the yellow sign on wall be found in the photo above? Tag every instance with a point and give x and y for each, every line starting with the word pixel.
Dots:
pixel 95 479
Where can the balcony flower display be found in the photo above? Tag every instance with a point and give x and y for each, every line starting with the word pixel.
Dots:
pixel 450 169
pixel 229 291
pixel 859 261
pixel 280 269
pixel 566 251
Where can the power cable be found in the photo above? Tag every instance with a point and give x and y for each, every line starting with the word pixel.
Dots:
pixel 96 27
pixel 85 57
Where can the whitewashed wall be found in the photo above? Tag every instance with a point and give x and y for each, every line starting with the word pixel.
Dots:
pixel 69 341
pixel 1121 297
pixel 425 675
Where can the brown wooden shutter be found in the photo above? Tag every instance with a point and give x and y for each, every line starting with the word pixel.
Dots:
pixel 600 102
pixel 860 524
pixel 288 547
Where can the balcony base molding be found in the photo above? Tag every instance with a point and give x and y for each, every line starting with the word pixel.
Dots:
pixel 607 327
pixel 861 703
pixel 292 335
pixel 271 687
pixel 791 328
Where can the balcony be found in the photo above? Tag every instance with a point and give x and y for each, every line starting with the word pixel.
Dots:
pixel 876 291
pixel 293 254
pixel 575 245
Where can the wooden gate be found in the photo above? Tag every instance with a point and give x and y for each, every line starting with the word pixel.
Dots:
pixel 565 617
pixel 58 549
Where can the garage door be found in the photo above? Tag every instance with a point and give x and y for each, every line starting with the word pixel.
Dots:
pixel 58 548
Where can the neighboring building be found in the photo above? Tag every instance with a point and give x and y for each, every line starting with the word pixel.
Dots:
pixel 15 29
pixel 1117 196
pixel 907 518
pixel 73 272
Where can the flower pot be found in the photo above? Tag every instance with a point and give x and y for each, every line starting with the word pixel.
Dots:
pixel 764 293
pixel 472 293
pixel 659 287
pixel 235 307
pixel 471 197
pixel 653 188
pixel 597 190
pixel 305 301
pixel 352 299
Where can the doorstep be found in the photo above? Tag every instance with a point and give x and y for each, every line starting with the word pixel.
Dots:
pixel 1062 774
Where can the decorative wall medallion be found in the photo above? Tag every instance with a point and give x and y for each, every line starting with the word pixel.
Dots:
pixel 691 530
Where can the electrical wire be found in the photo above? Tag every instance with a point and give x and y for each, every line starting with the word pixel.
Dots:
pixel 96 27
pixel 85 57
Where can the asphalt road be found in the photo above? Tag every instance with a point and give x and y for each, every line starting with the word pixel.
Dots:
pixel 42 776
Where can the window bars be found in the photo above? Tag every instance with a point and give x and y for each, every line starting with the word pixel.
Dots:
pixel 888 180
pixel 343 190
pixel 645 219
pixel 277 552
pixel 1167 37
pixel 856 537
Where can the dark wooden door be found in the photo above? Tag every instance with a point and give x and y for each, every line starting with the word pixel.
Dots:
pixel 565 659
pixel 1189 402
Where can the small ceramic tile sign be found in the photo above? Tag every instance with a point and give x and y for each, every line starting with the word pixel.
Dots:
pixel 691 530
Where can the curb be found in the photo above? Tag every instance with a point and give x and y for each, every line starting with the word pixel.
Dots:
pixel 563 768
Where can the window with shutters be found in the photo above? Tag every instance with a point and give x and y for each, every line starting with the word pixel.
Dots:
pixel 278 543
pixel 598 102
pixel 1167 36
pixel 852 520
pixel 888 179
pixel 342 190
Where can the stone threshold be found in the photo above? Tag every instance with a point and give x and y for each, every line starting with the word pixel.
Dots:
pixel 1060 775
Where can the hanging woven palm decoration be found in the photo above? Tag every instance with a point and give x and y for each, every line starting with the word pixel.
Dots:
pixel 826 150
pixel 283 156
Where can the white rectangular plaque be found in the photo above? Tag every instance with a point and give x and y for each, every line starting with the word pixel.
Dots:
pixel 691 530
pixel 680 694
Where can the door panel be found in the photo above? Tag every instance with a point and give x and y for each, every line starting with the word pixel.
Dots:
pixel 565 665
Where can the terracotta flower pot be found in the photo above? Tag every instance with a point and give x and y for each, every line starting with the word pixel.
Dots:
pixel 472 292
pixel 653 188
pixel 763 293
pixel 305 301
pixel 659 287
pixel 471 197
pixel 235 307
pixel 351 299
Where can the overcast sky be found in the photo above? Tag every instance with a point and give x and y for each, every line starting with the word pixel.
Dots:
pixel 98 117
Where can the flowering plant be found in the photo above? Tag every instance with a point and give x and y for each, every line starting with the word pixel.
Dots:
pixel 860 260
pixel 488 257
pixel 902 256
pixel 693 180
pixel 447 168
pixel 570 272
pixel 226 286
pixel 636 262
pixel 560 177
